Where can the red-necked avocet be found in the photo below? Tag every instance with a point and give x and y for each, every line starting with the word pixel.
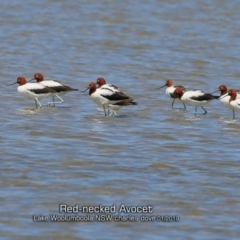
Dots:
pixel 59 88
pixel 225 97
pixel 105 96
pixel 194 98
pixel 34 91
pixel 170 91
pixel 234 101
pixel 101 82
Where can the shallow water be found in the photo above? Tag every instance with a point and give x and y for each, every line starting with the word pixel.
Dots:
pixel 171 159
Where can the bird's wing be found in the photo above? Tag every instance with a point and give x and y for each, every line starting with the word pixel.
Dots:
pixel 112 87
pixel 112 95
pixel 204 97
pixel 43 90
pixel 51 83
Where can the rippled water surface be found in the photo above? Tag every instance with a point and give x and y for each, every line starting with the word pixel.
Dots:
pixel 177 162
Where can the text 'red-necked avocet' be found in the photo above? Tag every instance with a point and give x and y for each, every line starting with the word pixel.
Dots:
pixel 34 91
pixel 59 88
pixel 105 96
pixel 225 97
pixel 170 91
pixel 194 98
pixel 101 82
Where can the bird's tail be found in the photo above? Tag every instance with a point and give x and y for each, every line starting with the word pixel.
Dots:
pixel 133 103
pixel 67 88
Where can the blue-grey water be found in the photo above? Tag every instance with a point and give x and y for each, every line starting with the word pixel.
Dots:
pixel 179 163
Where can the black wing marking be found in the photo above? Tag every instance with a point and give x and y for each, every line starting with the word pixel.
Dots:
pixel 116 96
pixel 42 90
pixel 115 87
pixel 204 97
pixel 125 103
pixel 63 88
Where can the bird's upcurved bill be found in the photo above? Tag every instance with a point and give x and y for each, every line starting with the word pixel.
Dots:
pixel 31 80
pixel 161 87
pixel 11 84
pixel 85 89
pixel 216 91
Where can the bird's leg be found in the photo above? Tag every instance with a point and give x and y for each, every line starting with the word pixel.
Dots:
pixel 55 102
pixel 112 112
pixel 104 110
pixel 173 102
pixel 109 110
pixel 184 105
pixel 37 103
pixel 233 114
pixel 205 111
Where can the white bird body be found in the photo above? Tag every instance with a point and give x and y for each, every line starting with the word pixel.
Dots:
pixel 34 90
pixel 108 96
pixel 194 98
pixel 59 88
pixel 234 101
pixel 115 107
pixel 224 100
pixel 54 85
pixel 114 89
pixel 98 99
pixel 235 105
pixel 103 96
